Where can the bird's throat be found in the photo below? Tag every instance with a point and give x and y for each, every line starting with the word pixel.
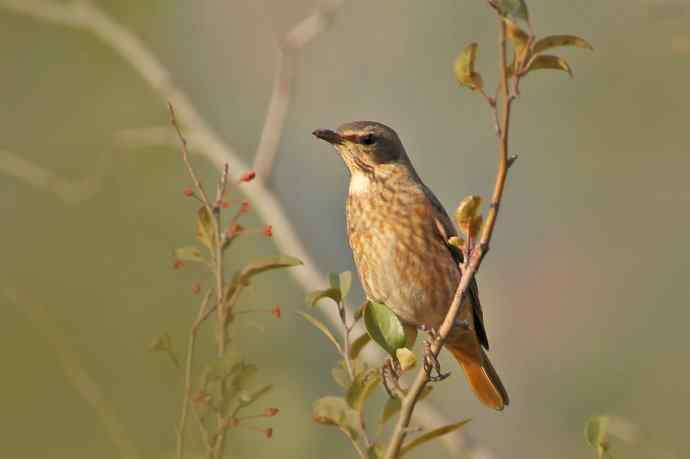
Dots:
pixel 359 183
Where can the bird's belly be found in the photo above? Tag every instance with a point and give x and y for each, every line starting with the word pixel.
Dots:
pixel 407 268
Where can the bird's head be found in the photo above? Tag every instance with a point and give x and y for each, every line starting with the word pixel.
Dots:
pixel 366 146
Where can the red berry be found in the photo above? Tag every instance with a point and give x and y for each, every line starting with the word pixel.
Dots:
pixel 225 204
pixel 235 229
pixel 248 176
pixel 188 192
pixel 276 311
pixel 268 231
pixel 178 264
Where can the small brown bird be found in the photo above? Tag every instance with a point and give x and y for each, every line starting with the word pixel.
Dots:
pixel 398 232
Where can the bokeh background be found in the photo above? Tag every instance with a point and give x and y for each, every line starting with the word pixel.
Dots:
pixel 585 293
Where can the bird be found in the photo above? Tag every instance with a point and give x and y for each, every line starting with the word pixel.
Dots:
pixel 398 232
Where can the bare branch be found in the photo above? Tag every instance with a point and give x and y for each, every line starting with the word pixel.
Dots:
pixel 297 38
pixel 69 191
pixel 186 399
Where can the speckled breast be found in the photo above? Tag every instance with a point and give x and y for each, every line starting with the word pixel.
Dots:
pixel 402 259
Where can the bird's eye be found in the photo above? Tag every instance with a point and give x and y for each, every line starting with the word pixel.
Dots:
pixel 368 139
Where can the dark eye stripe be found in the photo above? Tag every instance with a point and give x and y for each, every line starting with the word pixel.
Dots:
pixel 367 139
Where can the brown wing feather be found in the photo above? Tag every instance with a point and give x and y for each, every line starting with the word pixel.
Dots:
pixel 448 230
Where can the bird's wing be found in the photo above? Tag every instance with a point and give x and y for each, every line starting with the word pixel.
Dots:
pixel 446 229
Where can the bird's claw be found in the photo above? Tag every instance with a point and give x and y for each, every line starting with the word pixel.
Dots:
pixel 431 363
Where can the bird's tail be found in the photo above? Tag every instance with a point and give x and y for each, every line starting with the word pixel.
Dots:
pixel 482 377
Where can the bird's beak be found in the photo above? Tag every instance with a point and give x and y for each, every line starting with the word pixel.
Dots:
pixel 329 136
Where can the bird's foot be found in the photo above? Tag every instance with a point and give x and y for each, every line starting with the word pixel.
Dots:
pixel 390 374
pixel 431 363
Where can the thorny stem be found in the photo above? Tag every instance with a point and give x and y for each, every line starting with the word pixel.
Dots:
pixel 472 262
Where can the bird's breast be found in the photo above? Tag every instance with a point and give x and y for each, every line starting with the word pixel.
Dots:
pixel 402 260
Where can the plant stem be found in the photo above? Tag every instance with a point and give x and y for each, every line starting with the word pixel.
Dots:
pixel 182 424
pixel 222 326
pixel 471 263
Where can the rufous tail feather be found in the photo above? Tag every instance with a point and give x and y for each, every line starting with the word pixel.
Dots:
pixel 482 378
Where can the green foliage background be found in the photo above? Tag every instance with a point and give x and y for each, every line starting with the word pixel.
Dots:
pixel 585 293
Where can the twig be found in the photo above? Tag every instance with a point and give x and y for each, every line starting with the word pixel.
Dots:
pixel 181 425
pixel 70 192
pixel 85 15
pixel 355 445
pixel 471 263
pixel 217 268
pixel 300 35
pixel 346 351
pixel 82 381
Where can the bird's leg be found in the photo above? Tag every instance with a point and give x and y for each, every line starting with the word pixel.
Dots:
pixel 390 373
pixel 431 362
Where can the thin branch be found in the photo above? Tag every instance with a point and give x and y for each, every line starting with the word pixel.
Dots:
pixel 68 191
pixel 355 445
pixel 85 15
pixel 303 33
pixel 80 379
pixel 471 264
pixel 182 423
pixel 346 351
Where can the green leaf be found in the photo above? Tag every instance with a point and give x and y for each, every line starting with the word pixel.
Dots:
pixel 332 293
pixel 427 437
pixel 375 451
pixel 467 212
pixel 547 61
pixel 390 409
pixel 513 8
pixel 224 366
pixel 360 311
pixel 554 41
pixel 189 253
pixel 266 264
pixel 164 344
pixel 345 283
pixel 321 326
pixel 384 327
pixel 244 375
pixel 410 335
pixel 520 41
pixel 464 68
pixel 596 434
pixel 361 388
pixel 161 344
pixel 341 377
pixel 515 34
pixel 358 345
pixel 406 358
pixel 393 405
pixel 247 398
pixel 205 228
pixel 335 411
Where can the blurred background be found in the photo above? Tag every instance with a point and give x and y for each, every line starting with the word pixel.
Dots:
pixel 585 291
